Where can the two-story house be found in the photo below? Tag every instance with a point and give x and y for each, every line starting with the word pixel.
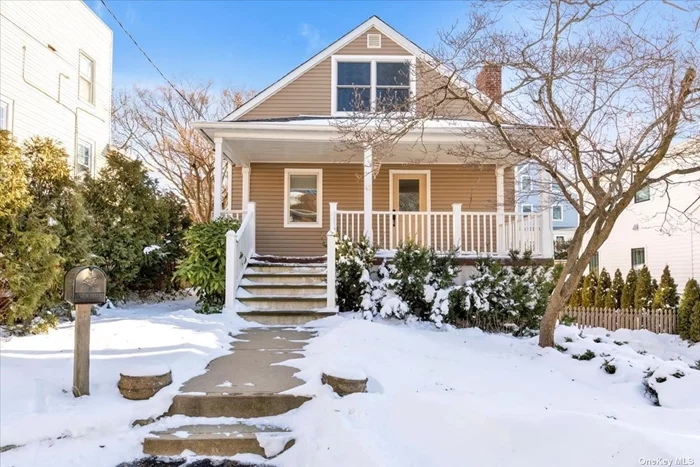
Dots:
pixel 56 77
pixel 661 227
pixel 294 188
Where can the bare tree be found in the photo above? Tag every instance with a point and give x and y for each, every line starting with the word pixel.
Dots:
pixel 154 124
pixel 603 97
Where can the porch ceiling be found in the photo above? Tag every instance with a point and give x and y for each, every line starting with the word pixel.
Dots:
pixel 316 141
pixel 244 151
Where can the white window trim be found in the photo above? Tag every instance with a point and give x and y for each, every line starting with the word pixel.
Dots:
pixel 10 109
pixel 561 219
pixel 91 165
pixel 90 101
pixel 392 173
pixel 373 59
pixel 319 199
pixel 522 209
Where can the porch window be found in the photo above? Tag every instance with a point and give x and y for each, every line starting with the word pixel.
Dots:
pixel 302 197
pixel 368 84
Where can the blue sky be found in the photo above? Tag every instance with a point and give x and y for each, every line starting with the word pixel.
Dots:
pixel 249 44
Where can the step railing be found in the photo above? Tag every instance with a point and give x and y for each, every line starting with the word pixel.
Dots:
pixel 238 214
pixel 240 247
pixel 469 233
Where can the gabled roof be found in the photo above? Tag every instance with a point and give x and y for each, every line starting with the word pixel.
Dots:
pixel 373 22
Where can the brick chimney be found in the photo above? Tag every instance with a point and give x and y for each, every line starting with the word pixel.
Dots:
pixel 488 81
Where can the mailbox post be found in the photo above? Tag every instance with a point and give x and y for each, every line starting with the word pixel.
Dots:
pixel 84 286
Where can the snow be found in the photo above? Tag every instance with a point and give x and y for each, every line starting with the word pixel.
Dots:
pixel 157 369
pixel 464 397
pixel 38 410
pixel 435 396
pixel 150 249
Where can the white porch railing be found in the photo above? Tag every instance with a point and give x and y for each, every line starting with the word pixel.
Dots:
pixel 240 247
pixel 470 233
pixel 233 214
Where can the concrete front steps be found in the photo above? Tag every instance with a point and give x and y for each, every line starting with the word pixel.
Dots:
pixel 245 384
pixel 218 440
pixel 284 291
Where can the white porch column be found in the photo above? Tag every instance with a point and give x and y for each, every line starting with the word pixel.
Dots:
pixel 368 176
pixel 229 201
pixel 218 175
pixel 457 226
pixel 333 221
pixel 500 210
pixel 246 186
pixel 547 233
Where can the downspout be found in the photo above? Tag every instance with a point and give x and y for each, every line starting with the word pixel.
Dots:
pixel 58 101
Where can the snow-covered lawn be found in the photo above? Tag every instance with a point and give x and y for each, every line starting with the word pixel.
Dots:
pixel 37 407
pixel 462 397
pixel 436 397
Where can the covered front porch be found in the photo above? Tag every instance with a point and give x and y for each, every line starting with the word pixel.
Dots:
pixel 303 186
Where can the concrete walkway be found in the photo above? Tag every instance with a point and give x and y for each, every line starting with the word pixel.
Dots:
pixel 244 384
pixel 249 369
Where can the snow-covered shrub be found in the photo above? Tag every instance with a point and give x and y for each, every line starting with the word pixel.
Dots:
pixel 205 265
pixel 353 261
pixel 666 296
pixel 643 292
pixel 410 276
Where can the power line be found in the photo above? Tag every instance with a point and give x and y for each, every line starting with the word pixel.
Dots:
pixel 104 3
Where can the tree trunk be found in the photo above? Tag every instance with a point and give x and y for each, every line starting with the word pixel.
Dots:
pixel 549 320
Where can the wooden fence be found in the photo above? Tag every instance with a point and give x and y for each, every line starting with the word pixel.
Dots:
pixel 659 321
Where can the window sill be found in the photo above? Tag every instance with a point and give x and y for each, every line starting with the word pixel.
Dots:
pixel 302 225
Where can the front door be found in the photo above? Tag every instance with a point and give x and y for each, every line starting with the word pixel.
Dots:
pixel 410 202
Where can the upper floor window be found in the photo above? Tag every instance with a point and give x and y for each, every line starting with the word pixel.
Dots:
pixel 557 213
pixel 642 195
pixel 86 86
pixel 381 84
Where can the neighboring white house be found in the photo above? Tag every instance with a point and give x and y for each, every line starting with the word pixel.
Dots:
pixel 56 77
pixel 650 233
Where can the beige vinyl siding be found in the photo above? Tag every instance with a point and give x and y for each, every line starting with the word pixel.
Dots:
pixel 432 98
pixel 474 186
pixel 310 93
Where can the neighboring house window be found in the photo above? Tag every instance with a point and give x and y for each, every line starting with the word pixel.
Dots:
pixel 525 184
pixel 364 85
pixel 638 258
pixel 526 208
pixel 557 213
pixel 5 114
pixel 559 239
pixel 302 197
pixel 85 156
pixel 642 195
pixel 87 79
pixel 594 264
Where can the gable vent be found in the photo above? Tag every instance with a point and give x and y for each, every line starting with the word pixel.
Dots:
pixel 374 41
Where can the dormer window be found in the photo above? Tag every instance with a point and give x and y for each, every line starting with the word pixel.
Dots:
pixel 364 84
